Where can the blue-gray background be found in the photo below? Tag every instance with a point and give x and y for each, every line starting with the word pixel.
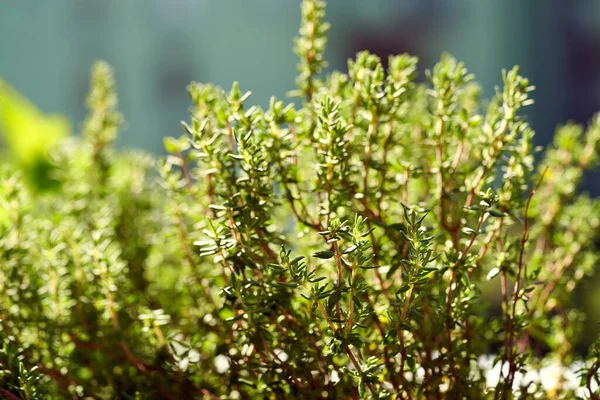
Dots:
pixel 159 46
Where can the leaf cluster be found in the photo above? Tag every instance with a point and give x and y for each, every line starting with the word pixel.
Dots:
pixel 340 247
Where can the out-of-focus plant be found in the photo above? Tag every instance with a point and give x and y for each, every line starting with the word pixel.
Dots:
pixel 332 250
pixel 27 135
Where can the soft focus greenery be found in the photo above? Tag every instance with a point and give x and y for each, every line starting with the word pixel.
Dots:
pixel 333 250
pixel 27 134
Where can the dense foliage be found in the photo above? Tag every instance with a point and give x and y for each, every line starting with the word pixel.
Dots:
pixel 335 249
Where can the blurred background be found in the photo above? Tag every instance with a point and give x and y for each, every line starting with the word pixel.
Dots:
pixel 158 46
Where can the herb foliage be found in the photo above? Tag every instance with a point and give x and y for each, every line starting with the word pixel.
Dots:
pixel 337 248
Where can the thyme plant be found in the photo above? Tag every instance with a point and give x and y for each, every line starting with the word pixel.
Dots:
pixel 335 247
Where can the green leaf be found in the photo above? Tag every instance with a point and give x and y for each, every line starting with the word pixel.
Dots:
pixel 171 145
pixel 296 260
pixel 334 299
pixel 287 284
pixel 493 273
pixel 324 255
pixel 391 336
pixel 535 273
pixel 350 249
pixel 367 233
pixel 406 237
pixel 403 288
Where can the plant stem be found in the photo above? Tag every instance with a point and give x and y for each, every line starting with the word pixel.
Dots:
pixel 517 288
